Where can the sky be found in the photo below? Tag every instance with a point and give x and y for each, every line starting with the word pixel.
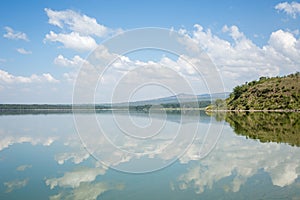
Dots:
pixel 43 44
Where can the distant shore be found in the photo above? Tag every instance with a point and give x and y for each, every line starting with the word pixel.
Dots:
pixel 82 109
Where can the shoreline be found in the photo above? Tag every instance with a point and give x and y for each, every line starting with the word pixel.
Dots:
pixel 279 110
pixel 166 109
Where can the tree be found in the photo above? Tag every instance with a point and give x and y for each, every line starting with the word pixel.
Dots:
pixel 220 104
pixel 237 91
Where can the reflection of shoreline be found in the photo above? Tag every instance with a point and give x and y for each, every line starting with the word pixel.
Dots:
pixel 234 163
pixel 280 127
pixel 86 110
pixel 264 111
pixel 174 115
pixel 238 160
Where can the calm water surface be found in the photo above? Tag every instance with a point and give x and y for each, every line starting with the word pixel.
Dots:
pixel 255 156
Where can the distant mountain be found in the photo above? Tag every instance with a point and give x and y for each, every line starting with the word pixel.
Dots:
pixel 171 102
pixel 183 98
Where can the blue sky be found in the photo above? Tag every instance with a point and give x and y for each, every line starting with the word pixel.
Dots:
pixel 30 62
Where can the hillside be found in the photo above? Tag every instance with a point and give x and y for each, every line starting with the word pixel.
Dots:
pixel 277 93
pixel 183 98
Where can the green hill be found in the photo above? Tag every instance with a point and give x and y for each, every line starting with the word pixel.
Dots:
pixel 277 93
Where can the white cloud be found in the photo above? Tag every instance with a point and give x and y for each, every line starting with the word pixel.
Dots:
pixel 242 60
pixel 75 178
pixel 8 140
pixel 24 133
pixel 70 76
pixel 76 61
pixel 285 44
pixel 78 29
pixel 76 154
pixel 237 59
pixel 47 77
pixel 73 40
pixel 7 78
pixel 15 184
pixel 87 191
pixel 23 51
pixel 292 9
pixel 76 22
pixel 234 32
pixel 23 167
pixel 15 35
pixel 234 157
pixel 277 160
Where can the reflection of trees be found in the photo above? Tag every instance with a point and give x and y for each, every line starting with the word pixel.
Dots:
pixel 267 127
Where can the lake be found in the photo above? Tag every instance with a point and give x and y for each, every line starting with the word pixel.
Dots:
pixel 116 155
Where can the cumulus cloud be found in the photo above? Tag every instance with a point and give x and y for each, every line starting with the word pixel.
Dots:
pixel 23 51
pixel 76 22
pixel 38 88
pixel 131 72
pixel 78 29
pixel 279 161
pixel 8 140
pixel 76 61
pixel 77 156
pixel 48 78
pixel 233 32
pixel 87 191
pixel 75 178
pixel 286 44
pixel 242 60
pixel 292 9
pixel 15 184
pixel 24 133
pixel 23 167
pixel 234 157
pixel 8 78
pixel 70 76
pixel 72 40
pixel 15 35
pixel 237 60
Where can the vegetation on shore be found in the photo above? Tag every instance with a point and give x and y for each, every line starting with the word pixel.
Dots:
pixel 280 127
pixel 276 93
pixel 172 106
pixel 68 108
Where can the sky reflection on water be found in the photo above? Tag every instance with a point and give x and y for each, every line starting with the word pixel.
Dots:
pixel 41 156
